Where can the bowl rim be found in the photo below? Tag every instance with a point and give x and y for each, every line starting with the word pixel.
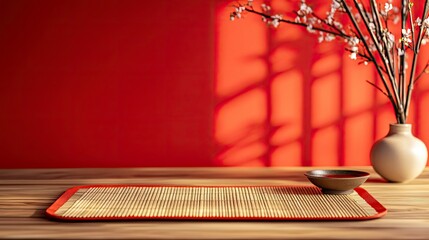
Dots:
pixel 322 173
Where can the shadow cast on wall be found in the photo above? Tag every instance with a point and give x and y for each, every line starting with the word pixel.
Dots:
pixel 283 99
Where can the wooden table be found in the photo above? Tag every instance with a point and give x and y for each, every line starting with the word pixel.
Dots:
pixel 26 193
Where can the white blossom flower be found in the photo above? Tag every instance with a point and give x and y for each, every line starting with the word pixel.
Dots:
pixel 338 25
pixel 396 19
pixel 310 28
pixel 388 7
pixel 353 44
pixel 335 4
pixel 275 22
pixel 406 36
pixel 329 37
pixel 265 7
pixel 277 16
pixel 371 26
pixel 321 37
pixel 310 24
pixel 390 40
pixel 330 19
pixel 426 22
pixel 331 14
pixel 425 39
pixel 313 20
pixel 354 41
pixel 237 13
pixel 400 52
pixel 325 37
pixel 418 21
pixel 304 9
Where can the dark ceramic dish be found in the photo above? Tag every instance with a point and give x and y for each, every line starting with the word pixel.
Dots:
pixel 337 181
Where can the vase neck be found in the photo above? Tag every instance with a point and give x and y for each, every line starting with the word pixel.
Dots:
pixel 400 128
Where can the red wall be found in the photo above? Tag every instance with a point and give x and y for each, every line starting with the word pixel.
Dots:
pixel 134 83
pixel 106 83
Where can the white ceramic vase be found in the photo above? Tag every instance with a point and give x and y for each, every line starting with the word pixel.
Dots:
pixel 399 156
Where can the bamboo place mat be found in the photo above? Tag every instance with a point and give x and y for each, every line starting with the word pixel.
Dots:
pixel 212 203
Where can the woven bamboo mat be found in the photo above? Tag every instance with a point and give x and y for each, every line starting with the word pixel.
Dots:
pixel 222 203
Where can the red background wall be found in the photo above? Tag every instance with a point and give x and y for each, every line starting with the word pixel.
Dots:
pixel 106 83
pixel 132 83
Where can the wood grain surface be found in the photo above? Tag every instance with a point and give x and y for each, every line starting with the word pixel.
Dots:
pixel 26 193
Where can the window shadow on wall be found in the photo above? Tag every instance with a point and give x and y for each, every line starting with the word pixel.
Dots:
pixel 283 99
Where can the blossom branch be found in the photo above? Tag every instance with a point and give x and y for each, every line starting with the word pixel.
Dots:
pixel 339 33
pixel 424 71
pixel 384 53
pixel 380 73
pixel 380 34
pixel 423 27
pixel 401 52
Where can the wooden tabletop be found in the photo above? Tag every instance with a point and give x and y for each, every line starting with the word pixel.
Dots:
pixel 26 193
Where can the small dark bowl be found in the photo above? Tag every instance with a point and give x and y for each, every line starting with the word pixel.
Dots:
pixel 337 181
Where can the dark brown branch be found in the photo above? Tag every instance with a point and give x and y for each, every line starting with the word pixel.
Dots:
pixel 424 71
pixel 378 88
pixel 402 57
